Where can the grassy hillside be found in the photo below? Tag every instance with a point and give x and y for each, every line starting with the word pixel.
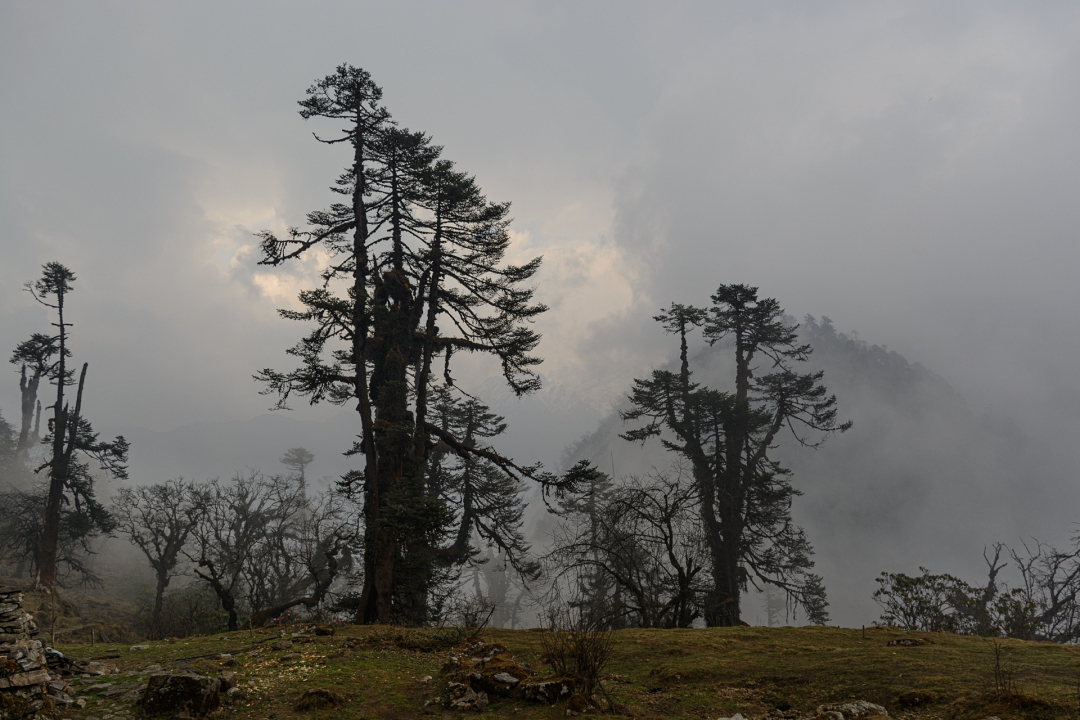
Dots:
pixel 654 673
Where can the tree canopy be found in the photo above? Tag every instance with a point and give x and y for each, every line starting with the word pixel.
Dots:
pixel 415 269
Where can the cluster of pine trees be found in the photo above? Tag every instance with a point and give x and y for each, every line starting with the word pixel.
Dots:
pixel 415 274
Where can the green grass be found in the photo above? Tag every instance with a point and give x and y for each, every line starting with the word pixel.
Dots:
pixel 653 674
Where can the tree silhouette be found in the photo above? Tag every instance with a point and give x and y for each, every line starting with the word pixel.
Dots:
pixel 298 459
pixel 158 520
pixel 71 436
pixel 415 268
pixel 38 356
pixel 727 436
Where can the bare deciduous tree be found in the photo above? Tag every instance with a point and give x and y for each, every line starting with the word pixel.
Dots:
pixel 641 551
pixel 157 519
pixel 230 519
pixel 1045 605
pixel 263 546
pixel 321 532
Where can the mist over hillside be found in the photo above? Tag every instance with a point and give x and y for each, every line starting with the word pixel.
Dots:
pixel 540 428
pixel 919 480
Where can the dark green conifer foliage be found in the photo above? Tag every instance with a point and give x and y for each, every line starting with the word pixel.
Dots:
pixel 416 268
pixel 727 435
pixel 487 500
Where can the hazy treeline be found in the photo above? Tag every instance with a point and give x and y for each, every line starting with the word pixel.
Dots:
pixel 1044 604
pixel 259 543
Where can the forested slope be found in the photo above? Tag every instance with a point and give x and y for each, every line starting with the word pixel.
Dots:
pixel 920 480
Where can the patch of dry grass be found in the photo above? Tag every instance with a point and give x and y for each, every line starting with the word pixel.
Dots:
pixel 653 673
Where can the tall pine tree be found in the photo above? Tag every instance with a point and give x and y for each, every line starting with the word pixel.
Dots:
pixel 71 438
pixel 727 437
pixel 415 269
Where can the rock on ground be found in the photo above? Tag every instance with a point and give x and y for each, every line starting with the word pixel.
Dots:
pixel 184 694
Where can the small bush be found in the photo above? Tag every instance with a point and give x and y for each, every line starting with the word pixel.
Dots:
pixel 578 646
pixel 917 698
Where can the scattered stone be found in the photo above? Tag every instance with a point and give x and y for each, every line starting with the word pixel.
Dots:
pixel 324 630
pixel 137 648
pixel 736 716
pixel 463 697
pixel 121 689
pixel 848 711
pixel 192 694
pixel 320 699
pixel 548 690
pixel 290 656
pixel 228 680
pixel 486 668
pixel 152 668
pixel 62 698
pixel 578 705
pixel 131 696
pixel 905 642
pixel 425 680
pixel 235 694
pixel 283 645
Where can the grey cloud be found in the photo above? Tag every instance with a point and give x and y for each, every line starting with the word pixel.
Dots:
pixel 908 169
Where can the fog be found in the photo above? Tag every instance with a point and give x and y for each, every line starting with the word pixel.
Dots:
pixel 908 170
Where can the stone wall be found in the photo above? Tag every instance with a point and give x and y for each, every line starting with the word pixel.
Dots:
pixel 24 672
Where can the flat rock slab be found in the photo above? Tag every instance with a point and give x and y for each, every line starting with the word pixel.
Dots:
pixel 121 689
pixel 26 679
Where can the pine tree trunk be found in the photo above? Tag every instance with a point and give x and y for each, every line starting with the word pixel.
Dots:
pixel 50 533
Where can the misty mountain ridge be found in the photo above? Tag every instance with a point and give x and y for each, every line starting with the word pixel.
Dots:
pixel 911 484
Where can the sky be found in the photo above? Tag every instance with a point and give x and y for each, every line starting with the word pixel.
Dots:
pixel 908 169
